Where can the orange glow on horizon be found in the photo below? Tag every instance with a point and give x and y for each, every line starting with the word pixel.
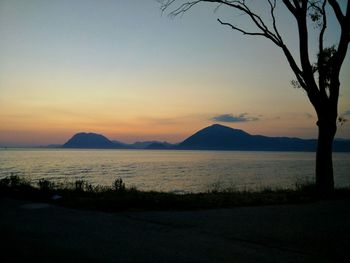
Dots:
pixel 133 75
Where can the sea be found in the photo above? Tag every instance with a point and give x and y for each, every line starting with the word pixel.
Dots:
pixel 173 171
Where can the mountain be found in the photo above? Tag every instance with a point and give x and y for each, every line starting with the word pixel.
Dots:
pixel 53 146
pixel 160 146
pixel 91 141
pixel 120 144
pixel 219 137
pixel 142 145
pixel 145 145
pixel 97 141
pixel 341 145
pixel 214 137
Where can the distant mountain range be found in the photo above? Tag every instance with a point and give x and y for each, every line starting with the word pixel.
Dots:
pixel 214 137
pixel 84 140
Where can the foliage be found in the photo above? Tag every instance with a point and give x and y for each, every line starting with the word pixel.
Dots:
pixel 46 185
pixel 14 181
pixel 82 195
pixel 79 185
pixel 119 185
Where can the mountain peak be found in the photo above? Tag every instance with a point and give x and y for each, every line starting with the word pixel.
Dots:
pixel 224 129
pixel 89 140
pixel 218 126
pixel 215 136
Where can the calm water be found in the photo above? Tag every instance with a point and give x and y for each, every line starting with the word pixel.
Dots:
pixel 174 171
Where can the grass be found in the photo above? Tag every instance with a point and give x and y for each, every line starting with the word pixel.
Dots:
pixel 82 195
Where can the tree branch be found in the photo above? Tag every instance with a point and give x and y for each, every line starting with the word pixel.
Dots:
pixel 297 4
pixel 294 67
pixel 321 58
pixel 241 30
pixel 307 72
pixel 239 5
pixel 299 8
pixel 264 34
pixel 324 26
pixel 339 56
pixel 338 13
pixel 344 39
pixel 272 11
pixel 290 7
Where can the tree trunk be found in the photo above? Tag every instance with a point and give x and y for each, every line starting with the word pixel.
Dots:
pixel 324 163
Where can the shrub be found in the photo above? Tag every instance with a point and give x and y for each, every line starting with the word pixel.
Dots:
pixel 89 188
pixel 5 182
pixel 305 186
pixel 80 185
pixel 46 185
pixel 15 181
pixel 83 186
pixel 119 185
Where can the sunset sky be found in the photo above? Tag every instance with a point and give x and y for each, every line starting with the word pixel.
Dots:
pixel 121 68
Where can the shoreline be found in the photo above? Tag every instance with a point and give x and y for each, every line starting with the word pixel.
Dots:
pixel 117 197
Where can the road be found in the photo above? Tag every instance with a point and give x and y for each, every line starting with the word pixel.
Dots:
pixel 314 232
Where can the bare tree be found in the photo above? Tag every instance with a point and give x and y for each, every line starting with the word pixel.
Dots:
pixel 319 80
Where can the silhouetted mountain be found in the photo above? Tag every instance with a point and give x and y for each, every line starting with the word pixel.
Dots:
pixel 219 137
pixel 215 137
pixel 341 145
pixel 160 146
pixel 120 144
pixel 98 141
pixel 142 145
pixel 51 146
pixel 91 141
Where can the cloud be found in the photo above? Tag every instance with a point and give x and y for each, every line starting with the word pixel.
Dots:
pixel 243 117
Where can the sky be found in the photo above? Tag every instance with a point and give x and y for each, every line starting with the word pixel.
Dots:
pixel 123 69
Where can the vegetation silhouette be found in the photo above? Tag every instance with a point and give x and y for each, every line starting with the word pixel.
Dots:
pixel 81 194
pixel 320 80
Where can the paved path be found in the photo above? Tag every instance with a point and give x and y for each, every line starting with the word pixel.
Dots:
pixel 318 232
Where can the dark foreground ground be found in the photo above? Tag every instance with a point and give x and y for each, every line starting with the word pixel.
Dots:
pixel 313 232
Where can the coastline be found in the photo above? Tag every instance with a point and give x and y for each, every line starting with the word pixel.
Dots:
pixel 117 197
